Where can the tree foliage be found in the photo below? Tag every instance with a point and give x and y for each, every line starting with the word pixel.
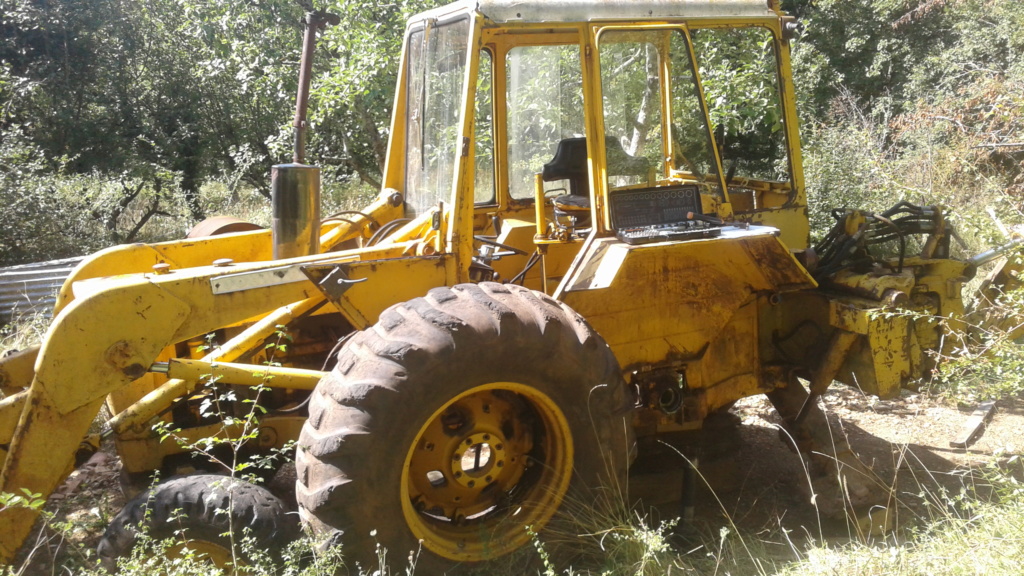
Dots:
pixel 126 110
pixel 915 99
pixel 154 97
pixel 357 83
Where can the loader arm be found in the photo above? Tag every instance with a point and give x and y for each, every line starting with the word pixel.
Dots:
pixel 252 246
pixel 85 356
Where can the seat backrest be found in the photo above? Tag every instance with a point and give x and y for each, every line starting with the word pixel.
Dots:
pixel 570 163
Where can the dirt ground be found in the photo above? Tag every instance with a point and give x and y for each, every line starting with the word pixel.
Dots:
pixel 748 473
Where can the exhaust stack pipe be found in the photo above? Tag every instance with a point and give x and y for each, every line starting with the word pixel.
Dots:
pixel 295 187
pixel 295 201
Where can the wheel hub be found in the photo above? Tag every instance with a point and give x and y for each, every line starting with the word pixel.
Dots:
pixel 494 453
pixel 470 457
pixel 483 457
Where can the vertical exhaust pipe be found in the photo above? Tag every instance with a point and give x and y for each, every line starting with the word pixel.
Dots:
pixel 295 187
pixel 295 204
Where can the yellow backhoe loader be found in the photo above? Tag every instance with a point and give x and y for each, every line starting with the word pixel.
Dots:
pixel 592 228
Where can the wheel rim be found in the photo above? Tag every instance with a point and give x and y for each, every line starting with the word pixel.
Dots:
pixel 489 463
pixel 211 552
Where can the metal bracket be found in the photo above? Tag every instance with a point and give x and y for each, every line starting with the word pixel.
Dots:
pixel 838 348
pixel 336 283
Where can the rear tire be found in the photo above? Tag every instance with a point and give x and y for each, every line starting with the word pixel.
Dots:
pixel 459 420
pixel 191 508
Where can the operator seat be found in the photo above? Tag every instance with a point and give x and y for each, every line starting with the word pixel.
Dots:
pixel 570 163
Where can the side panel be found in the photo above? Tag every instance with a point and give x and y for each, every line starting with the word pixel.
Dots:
pixel 669 301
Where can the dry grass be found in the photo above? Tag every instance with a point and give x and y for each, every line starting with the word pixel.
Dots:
pixel 23 332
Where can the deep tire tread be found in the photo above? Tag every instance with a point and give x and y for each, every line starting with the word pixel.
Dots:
pixel 352 419
pixel 199 498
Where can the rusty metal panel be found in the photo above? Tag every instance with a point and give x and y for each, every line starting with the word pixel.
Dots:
pixel 882 362
pixel 670 300
pixel 32 288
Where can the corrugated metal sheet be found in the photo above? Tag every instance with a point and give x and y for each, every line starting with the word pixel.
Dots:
pixel 32 288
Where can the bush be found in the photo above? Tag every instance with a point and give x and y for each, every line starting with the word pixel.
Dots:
pixel 50 213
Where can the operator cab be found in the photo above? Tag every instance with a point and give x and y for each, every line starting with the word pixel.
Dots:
pixel 545 124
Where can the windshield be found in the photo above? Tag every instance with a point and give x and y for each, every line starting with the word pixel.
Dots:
pixel 436 73
pixel 652 133
pixel 738 75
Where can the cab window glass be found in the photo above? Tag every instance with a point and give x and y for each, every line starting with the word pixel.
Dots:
pixel 690 142
pixel 739 73
pixel 635 68
pixel 632 105
pixel 437 63
pixel 483 183
pixel 544 106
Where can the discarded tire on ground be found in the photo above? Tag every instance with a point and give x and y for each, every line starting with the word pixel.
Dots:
pixel 200 509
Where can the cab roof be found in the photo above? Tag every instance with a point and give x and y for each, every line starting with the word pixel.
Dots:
pixel 543 11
